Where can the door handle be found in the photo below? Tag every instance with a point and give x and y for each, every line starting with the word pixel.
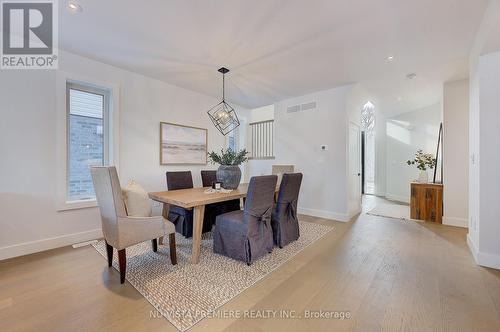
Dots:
pixel 359 174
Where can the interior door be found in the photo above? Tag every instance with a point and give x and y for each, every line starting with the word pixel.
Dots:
pixel 354 168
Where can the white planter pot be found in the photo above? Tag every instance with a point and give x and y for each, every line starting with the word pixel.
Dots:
pixel 423 177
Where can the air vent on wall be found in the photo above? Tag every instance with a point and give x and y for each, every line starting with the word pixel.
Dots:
pixel 302 107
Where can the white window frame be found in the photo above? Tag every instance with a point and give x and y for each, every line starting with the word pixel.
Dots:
pixel 111 141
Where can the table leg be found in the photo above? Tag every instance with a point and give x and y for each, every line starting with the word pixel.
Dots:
pixel 166 210
pixel 199 212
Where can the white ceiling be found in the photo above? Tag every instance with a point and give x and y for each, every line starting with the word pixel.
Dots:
pixel 282 48
pixel 491 24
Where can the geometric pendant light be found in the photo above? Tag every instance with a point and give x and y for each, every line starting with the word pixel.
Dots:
pixel 223 115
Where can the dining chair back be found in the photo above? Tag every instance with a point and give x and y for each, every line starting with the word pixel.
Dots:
pixel 208 177
pixel 179 180
pixel 285 222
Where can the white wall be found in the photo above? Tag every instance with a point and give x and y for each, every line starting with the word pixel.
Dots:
pixel 29 220
pixel 258 167
pixel 456 153
pixel 484 156
pixel 405 134
pixel 487 158
pixel 298 140
pixel 380 152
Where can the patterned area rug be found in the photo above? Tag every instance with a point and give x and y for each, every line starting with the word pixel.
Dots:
pixel 186 293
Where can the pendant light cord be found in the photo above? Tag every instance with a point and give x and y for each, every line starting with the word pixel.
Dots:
pixel 223 83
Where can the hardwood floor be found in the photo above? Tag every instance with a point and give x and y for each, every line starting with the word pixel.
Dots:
pixel 390 275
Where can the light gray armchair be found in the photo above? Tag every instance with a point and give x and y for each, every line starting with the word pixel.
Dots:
pixel 120 230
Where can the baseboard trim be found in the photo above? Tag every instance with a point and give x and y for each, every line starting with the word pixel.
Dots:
pixel 27 248
pixel 457 222
pixel 483 258
pixel 472 247
pixel 343 217
pixel 397 198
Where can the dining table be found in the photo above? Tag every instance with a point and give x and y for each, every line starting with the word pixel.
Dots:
pixel 196 199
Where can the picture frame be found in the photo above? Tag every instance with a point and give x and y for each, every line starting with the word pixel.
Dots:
pixel 183 145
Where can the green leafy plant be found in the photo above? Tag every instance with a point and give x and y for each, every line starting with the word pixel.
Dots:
pixel 423 161
pixel 228 157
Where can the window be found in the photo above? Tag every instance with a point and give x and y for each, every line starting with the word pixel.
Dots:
pixel 233 140
pixel 87 137
pixel 262 140
pixel 368 148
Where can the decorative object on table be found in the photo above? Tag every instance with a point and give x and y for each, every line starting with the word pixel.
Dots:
pixel 223 115
pixel 182 145
pixel 423 161
pixel 214 191
pixel 229 173
pixel 216 185
pixel 426 202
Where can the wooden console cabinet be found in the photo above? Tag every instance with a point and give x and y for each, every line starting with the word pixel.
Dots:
pixel 426 202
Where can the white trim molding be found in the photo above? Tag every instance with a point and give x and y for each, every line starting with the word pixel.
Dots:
pixel 27 248
pixel 483 258
pixel 457 222
pixel 114 124
pixel 343 217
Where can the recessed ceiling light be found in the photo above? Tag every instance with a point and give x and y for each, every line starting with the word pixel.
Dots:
pixel 390 58
pixel 74 6
pixel 411 76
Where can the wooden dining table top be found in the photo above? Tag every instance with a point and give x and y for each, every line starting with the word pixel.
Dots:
pixel 189 198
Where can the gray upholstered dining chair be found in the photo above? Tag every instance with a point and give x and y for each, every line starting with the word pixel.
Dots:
pixel 247 235
pixel 120 230
pixel 181 217
pixel 215 209
pixel 284 221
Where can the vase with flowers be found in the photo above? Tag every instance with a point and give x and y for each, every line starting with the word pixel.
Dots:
pixel 423 161
pixel 229 173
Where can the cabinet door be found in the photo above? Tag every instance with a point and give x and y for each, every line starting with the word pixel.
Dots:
pixel 430 204
pixel 415 202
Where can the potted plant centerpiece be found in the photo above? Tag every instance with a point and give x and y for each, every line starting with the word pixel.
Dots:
pixel 229 173
pixel 423 161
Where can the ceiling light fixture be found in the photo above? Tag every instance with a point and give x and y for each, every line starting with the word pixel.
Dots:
pixel 390 58
pixel 223 115
pixel 74 6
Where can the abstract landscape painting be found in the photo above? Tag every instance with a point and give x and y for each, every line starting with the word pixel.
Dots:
pixel 182 144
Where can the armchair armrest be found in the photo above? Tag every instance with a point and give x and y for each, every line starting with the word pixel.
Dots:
pixel 133 230
pixel 142 219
